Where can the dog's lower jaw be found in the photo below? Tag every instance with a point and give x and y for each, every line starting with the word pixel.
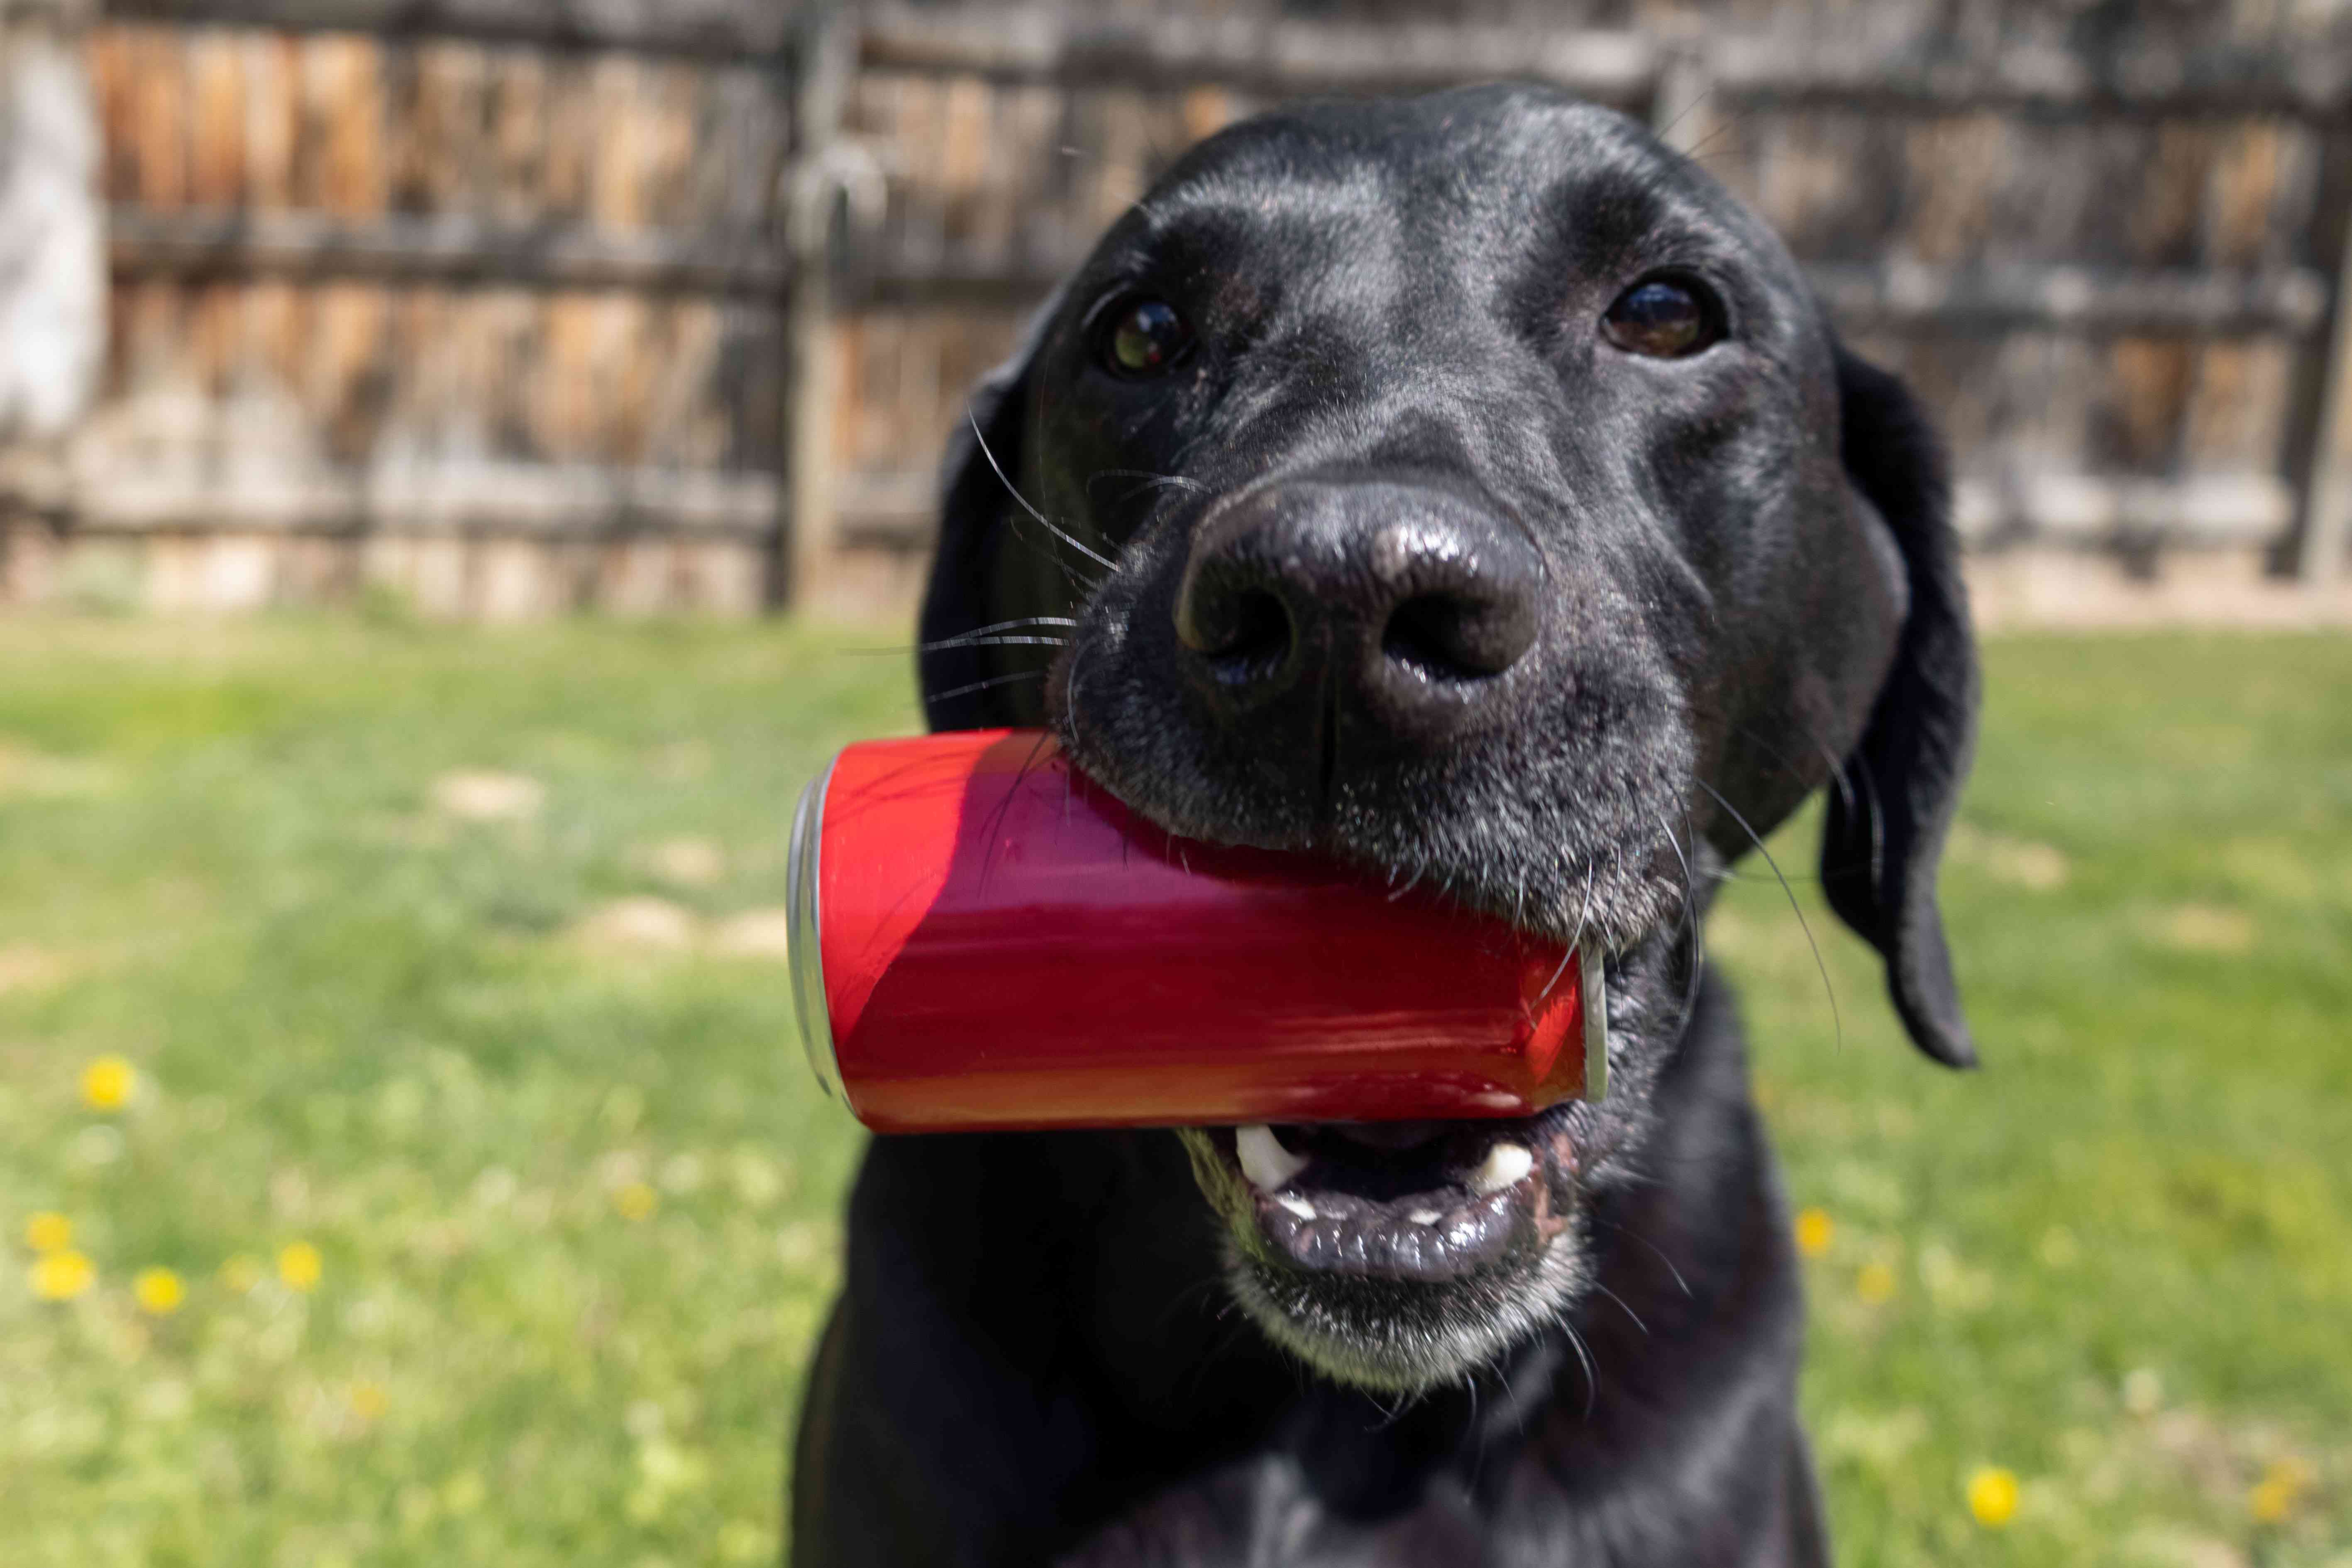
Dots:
pixel 1405 1338
pixel 1383 1329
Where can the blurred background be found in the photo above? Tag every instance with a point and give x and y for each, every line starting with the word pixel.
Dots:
pixel 510 306
pixel 464 463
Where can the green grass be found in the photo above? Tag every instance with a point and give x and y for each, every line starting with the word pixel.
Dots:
pixel 576 1203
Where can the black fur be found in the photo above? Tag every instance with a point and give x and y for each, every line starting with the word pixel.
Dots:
pixel 1672 599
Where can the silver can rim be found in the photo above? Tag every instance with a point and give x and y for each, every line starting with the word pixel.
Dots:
pixel 1595 988
pixel 804 935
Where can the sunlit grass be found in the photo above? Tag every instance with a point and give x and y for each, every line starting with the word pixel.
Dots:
pixel 404 1156
pixel 2114 1266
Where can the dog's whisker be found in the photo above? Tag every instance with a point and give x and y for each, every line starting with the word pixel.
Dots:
pixel 1413 882
pixel 1028 763
pixel 1628 1311
pixel 1151 480
pixel 1592 1376
pixel 1737 120
pixel 1146 480
pixel 1014 633
pixel 1838 781
pixel 1692 926
pixel 1837 1019
pixel 1697 928
pixel 1043 521
pixel 1200 1292
pixel 1013 640
pixel 1630 1234
pixel 1018 624
pixel 1070 694
pixel 1685 112
pixel 1583 909
pixel 969 686
pixel 1877 827
pixel 1389 1414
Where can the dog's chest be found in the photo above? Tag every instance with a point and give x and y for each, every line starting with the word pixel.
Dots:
pixel 1261 1514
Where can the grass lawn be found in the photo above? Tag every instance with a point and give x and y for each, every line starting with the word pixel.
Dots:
pixel 443 1059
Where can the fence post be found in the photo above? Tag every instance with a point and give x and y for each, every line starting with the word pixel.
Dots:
pixel 2323 541
pixel 823 59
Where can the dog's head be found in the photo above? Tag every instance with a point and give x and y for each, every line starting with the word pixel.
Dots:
pixel 1469 488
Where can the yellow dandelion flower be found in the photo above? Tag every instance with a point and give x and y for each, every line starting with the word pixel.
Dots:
pixel 299 1265
pixel 159 1291
pixel 62 1275
pixel 1992 1496
pixel 1875 1283
pixel 107 1084
pixel 48 1232
pixel 2274 1496
pixel 241 1273
pixel 635 1200
pixel 1815 1231
pixel 368 1400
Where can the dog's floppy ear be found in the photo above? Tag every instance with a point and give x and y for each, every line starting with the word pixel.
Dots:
pixel 975 514
pixel 1896 793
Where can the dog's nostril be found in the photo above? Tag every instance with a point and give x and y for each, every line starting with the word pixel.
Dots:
pixel 1446 636
pixel 1253 640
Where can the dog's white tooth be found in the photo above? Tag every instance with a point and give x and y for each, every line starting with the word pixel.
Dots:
pixel 1424 1217
pixel 1265 1160
pixel 1296 1204
pixel 1506 1164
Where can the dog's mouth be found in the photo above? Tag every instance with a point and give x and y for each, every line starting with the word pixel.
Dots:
pixel 1427 1202
pixel 1399 1256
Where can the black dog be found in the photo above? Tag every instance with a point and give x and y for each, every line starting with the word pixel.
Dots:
pixel 1469 488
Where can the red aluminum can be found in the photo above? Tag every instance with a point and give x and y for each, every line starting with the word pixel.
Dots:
pixel 983 938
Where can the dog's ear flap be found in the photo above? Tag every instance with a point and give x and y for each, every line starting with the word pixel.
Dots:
pixel 1896 793
pixel 975 516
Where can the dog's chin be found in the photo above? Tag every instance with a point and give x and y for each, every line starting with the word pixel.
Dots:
pixel 1402 1268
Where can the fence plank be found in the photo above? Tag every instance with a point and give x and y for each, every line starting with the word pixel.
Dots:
pixel 216 120
pixel 272 120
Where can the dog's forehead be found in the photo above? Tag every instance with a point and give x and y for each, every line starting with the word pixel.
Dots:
pixel 1532 173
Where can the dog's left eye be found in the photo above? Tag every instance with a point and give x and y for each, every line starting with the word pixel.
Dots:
pixel 1145 337
pixel 1663 318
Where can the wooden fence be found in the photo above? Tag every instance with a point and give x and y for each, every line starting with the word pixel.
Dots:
pixel 515 304
pixel 488 314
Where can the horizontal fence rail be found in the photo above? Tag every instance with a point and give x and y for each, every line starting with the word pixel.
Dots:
pixel 731 30
pixel 1279 59
pixel 2314 84
pixel 445 247
pixel 459 249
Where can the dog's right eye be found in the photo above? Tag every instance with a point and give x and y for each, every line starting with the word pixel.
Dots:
pixel 1144 337
pixel 1663 318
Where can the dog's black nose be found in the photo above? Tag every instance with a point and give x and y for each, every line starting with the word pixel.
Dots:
pixel 1389 610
